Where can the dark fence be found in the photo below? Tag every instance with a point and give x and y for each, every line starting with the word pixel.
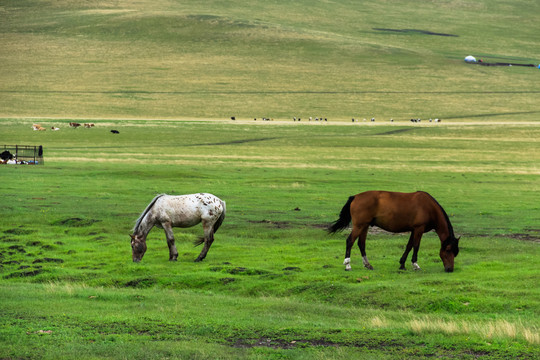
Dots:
pixel 21 154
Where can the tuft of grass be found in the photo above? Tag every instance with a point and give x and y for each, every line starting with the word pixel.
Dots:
pixel 497 329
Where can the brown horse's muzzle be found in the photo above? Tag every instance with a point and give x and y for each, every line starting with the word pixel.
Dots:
pixel 447 258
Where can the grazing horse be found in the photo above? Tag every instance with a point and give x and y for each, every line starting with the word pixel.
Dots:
pixel 396 212
pixel 166 212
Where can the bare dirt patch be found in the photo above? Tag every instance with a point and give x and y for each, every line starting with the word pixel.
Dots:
pixel 275 224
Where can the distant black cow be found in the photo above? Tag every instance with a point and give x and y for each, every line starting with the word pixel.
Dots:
pixel 115 131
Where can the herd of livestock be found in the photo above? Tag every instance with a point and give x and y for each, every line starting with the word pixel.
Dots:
pixel 38 127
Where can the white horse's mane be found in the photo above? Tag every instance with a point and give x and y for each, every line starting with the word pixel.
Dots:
pixel 140 219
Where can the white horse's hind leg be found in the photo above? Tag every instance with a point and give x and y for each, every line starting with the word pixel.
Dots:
pixel 208 240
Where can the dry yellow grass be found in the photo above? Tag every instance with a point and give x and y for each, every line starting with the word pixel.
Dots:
pixel 488 330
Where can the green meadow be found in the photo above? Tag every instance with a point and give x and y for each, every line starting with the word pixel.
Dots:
pixel 168 75
pixel 273 283
pixel 275 59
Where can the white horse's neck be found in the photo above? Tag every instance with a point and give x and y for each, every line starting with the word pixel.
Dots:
pixel 144 226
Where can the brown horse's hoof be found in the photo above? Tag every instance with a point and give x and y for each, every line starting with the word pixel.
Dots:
pixel 369 267
pixel 197 260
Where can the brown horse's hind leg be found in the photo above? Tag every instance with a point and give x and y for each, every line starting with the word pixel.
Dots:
pixel 362 246
pixel 348 247
pixel 208 240
pixel 173 253
pixel 357 232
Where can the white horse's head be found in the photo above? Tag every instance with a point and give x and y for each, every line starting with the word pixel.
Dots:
pixel 138 247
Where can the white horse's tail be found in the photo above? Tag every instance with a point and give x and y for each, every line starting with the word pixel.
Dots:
pixel 221 217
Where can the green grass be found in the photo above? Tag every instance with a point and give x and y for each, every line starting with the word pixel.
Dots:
pixel 213 60
pixel 273 284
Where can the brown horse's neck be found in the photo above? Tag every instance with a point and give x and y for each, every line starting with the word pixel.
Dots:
pixel 443 227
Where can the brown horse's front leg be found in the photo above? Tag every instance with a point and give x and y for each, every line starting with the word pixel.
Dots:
pixel 414 243
pixel 407 251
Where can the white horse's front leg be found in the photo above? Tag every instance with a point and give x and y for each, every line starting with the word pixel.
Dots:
pixel 173 253
pixel 347 263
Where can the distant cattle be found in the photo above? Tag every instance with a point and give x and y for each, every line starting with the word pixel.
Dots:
pixel 115 131
pixel 89 125
pixel 74 125
pixel 37 127
pixel 55 128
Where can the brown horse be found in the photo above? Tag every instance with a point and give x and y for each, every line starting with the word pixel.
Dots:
pixel 396 212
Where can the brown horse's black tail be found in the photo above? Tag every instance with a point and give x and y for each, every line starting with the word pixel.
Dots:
pixel 344 218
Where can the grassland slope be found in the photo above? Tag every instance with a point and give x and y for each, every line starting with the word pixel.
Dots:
pixel 339 59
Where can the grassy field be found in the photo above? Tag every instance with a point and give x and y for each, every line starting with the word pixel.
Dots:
pixel 215 59
pixel 273 285
pixel 168 75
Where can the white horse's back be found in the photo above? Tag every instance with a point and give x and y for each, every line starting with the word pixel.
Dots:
pixel 188 210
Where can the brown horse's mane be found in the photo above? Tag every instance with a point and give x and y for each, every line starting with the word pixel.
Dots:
pixel 140 219
pixel 450 227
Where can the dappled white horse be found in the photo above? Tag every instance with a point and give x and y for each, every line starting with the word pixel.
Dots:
pixel 167 211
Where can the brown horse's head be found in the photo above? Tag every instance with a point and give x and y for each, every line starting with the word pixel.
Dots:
pixel 138 247
pixel 449 250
